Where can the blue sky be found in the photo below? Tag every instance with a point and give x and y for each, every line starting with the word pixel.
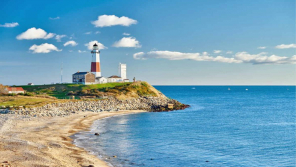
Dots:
pixel 170 42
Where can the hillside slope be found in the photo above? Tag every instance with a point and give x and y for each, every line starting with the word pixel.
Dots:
pixel 42 99
pixel 118 90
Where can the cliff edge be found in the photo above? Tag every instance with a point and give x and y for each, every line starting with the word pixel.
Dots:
pixel 95 98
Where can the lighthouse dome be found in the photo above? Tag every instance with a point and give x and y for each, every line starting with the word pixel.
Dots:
pixel 95 47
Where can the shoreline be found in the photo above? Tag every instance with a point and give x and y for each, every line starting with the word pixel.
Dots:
pixel 38 141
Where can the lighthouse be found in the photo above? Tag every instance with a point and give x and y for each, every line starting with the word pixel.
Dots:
pixel 95 64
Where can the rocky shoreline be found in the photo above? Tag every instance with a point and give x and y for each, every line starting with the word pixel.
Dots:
pixel 152 104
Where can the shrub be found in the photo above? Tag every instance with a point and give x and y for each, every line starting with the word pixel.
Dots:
pixel 29 94
pixel 84 91
pixel 70 93
pixel 144 84
pixel 135 86
pixel 113 91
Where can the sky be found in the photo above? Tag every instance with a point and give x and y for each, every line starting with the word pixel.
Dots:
pixel 163 42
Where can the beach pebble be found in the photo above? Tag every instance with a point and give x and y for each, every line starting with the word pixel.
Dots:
pixel 91 166
pixel 114 156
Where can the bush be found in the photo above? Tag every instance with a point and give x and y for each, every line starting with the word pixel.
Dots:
pixel 29 94
pixel 70 93
pixel 113 91
pixel 11 94
pixel 45 91
pixel 144 84
pixel 84 91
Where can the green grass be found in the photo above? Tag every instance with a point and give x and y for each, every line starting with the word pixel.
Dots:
pixel 106 85
pixel 60 91
pixel 42 93
pixel 25 101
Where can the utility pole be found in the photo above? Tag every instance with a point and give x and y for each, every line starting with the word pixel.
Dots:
pixel 62 73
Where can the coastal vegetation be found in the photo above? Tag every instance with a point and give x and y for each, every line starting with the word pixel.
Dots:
pixel 118 90
pixel 40 95
pixel 26 101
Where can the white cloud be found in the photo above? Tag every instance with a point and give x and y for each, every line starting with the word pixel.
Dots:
pixel 34 33
pixel 43 48
pixel 240 57
pixel 9 25
pixel 54 18
pixel 262 58
pixel 72 43
pixel 229 52
pixel 87 33
pixel 127 34
pixel 112 20
pixel 286 46
pixel 83 51
pixel 261 47
pixel 139 56
pixel 217 51
pixel 128 42
pixel 59 37
pixel 97 32
pixel 91 43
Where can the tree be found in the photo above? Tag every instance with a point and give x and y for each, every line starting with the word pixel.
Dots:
pixel 3 89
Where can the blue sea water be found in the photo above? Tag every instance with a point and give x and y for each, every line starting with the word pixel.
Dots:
pixel 244 126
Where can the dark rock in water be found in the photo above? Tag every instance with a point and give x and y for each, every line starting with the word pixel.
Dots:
pixel 207 161
pixel 97 134
pixel 151 159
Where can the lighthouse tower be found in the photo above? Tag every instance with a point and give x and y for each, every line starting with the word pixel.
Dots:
pixel 95 64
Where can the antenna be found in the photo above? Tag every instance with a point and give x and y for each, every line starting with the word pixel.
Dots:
pixel 62 73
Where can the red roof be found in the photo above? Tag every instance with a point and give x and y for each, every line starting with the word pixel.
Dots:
pixel 15 89
pixel 114 76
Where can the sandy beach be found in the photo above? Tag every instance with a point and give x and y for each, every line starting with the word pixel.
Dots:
pixel 45 141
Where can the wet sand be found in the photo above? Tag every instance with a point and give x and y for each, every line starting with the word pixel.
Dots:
pixel 45 141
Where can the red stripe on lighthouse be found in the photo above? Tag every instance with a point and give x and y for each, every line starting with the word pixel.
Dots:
pixel 95 67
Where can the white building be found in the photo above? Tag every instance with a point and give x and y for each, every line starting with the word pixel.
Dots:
pixel 95 76
pixel 101 80
pixel 114 78
pixel 122 71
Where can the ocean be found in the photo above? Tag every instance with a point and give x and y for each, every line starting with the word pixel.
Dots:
pixel 225 126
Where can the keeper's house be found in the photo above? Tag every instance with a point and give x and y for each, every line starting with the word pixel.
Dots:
pixel 114 78
pixel 15 90
pixel 86 78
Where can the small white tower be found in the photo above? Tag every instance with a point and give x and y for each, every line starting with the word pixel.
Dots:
pixel 95 64
pixel 122 71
